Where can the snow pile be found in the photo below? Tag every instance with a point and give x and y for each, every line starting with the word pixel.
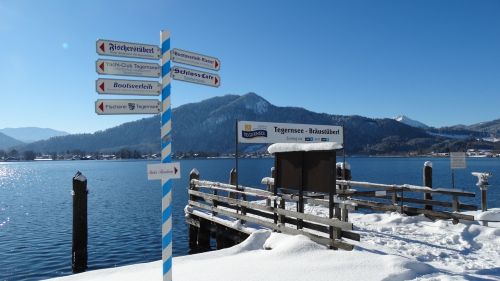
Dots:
pixel 290 147
pixel 392 247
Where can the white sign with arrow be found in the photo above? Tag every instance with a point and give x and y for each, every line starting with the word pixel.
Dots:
pixel 128 68
pixel 135 106
pixel 195 76
pixel 194 59
pixel 164 171
pixel 127 87
pixel 127 49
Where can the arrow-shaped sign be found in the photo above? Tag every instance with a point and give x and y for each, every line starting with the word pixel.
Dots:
pixel 195 76
pixel 127 87
pixel 194 59
pixel 164 171
pixel 127 49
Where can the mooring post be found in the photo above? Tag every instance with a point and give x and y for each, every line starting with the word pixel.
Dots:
pixel 80 236
pixel 483 184
pixel 193 230
pixel 427 174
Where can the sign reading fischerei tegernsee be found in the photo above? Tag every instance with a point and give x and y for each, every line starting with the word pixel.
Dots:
pixel 127 87
pixel 132 106
pixel 127 49
pixel 266 132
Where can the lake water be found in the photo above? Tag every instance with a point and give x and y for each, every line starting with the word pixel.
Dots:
pixel 124 212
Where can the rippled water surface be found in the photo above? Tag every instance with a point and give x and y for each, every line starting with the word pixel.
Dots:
pixel 124 212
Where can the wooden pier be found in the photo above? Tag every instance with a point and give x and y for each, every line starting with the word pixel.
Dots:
pixel 229 213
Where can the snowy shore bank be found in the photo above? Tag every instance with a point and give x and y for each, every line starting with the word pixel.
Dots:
pixel 392 247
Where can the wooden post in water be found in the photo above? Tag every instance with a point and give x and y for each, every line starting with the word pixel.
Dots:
pixel 80 236
pixel 427 174
pixel 193 230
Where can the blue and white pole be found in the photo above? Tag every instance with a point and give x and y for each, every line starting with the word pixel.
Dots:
pixel 166 151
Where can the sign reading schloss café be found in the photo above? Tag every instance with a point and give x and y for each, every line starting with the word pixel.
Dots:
pixel 266 132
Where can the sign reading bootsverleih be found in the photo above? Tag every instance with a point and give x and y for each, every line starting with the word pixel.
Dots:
pixel 457 160
pixel 266 132
pixel 135 106
pixel 127 87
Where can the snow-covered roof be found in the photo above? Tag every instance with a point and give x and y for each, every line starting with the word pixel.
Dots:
pixel 290 147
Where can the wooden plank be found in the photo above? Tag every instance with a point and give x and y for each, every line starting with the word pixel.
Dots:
pixel 406 187
pixel 393 208
pixel 331 222
pixel 466 207
pixel 322 240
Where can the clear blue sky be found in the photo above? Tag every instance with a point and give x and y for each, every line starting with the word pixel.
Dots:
pixel 435 61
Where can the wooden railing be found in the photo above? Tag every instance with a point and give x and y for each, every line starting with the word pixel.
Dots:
pixel 215 207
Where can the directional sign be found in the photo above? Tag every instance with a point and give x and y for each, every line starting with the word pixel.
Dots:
pixel 195 76
pixel 126 49
pixel 113 107
pixel 194 59
pixel 127 87
pixel 128 68
pixel 164 171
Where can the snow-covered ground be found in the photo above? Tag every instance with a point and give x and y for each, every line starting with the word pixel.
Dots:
pixel 392 247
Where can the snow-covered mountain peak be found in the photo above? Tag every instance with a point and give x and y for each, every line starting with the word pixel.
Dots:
pixel 410 122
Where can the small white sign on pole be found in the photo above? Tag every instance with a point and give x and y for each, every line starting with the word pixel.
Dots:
pixel 457 160
pixel 266 132
pixel 128 68
pixel 164 171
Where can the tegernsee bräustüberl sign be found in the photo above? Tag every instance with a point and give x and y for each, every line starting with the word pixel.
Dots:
pixel 127 87
pixel 128 68
pixel 266 132
pixel 133 106
pixel 194 59
pixel 127 49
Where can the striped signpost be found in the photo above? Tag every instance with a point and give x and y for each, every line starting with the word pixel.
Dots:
pixel 166 170
pixel 166 151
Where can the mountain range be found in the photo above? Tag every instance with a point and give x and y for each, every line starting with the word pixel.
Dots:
pixel 31 134
pixel 209 126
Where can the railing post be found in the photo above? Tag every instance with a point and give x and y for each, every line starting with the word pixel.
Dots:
pixel 232 181
pixel 427 179
pixel 193 230
pixel 80 235
pixel 270 186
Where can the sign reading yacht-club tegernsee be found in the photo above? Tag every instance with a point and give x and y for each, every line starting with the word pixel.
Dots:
pixel 195 76
pixel 127 49
pixel 128 68
pixel 133 106
pixel 127 87
pixel 266 132
pixel 194 59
